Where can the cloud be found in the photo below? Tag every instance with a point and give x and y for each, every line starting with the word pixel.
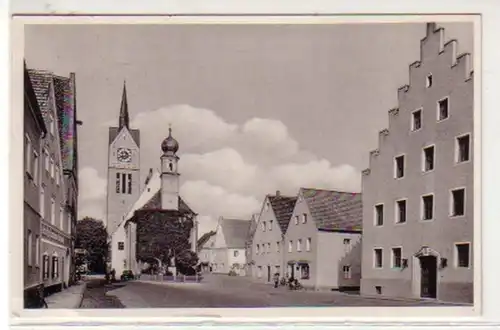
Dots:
pixel 228 168
pixel 91 194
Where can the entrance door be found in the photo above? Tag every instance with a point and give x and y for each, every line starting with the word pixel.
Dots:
pixel 269 273
pixel 428 279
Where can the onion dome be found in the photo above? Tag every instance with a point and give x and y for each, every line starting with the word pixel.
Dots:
pixel 170 145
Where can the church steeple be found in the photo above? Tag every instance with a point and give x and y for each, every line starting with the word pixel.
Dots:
pixel 124 119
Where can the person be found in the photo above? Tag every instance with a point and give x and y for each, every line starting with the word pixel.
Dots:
pixel 41 295
pixel 291 282
pixel 276 279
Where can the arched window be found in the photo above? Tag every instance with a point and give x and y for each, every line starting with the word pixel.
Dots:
pixel 45 266
pixel 55 265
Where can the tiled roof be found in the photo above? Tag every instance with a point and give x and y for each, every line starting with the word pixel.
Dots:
pixel 283 208
pixel 41 80
pixel 235 232
pixel 136 135
pixel 30 92
pixel 204 239
pixel 333 209
pixel 252 227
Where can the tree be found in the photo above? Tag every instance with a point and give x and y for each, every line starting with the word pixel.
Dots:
pixel 91 235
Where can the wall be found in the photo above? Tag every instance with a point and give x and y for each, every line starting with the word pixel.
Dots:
pixel 271 234
pixel 237 256
pixel 450 78
pixel 333 255
pixel 118 257
pixel 221 260
pixel 302 231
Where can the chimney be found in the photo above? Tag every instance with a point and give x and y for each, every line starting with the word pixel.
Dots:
pixel 431 27
pixel 278 193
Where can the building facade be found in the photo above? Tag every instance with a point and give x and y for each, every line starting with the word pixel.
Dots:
pixel 249 267
pixel 418 191
pixel 34 132
pixel 229 246
pixel 267 243
pixel 323 240
pixel 56 98
pixel 205 247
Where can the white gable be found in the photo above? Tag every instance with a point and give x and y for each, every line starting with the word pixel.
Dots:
pixel 124 140
pixel 219 241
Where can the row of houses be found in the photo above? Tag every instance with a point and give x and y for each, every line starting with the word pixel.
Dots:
pixel 50 183
pixel 410 232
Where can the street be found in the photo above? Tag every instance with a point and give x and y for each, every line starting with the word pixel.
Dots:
pixel 222 291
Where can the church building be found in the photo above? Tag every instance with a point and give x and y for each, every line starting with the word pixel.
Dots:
pixel 150 224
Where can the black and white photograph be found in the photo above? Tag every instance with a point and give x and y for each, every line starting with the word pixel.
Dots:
pixel 250 165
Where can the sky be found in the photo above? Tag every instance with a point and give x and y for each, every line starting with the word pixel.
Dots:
pixel 255 108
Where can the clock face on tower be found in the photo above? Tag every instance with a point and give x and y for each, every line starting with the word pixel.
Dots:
pixel 124 155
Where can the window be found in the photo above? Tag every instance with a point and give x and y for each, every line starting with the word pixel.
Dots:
pixel 263 226
pixel 278 246
pixel 51 124
pixel 257 249
pixel 118 183
pixel 57 175
pixel 129 183
pixel 401 211
pixel 124 183
pixel 69 223
pixel 45 267
pixel 443 109
pixel 428 159
pixel 30 248
pixel 416 120
pixel 52 167
pixel 259 272
pixel 52 211
pixel 308 244
pixel 462 255
pixel 427 207
pixel 268 247
pixel 37 250
pixel 347 244
pixel 35 167
pixel 299 245
pixel 121 246
pixel 304 218
pixel 42 201
pixel 270 225
pixel 458 202
pixel 379 215
pixel 236 253
pixel 55 267
pixel 290 246
pixel 396 257
pixel 399 163
pixel 378 261
pixel 463 149
pixel 47 160
pixel 347 272
pixel 428 81
pixel 27 150
pixel 304 271
pixel 296 219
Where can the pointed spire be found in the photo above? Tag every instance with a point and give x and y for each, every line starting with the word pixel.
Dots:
pixel 169 130
pixel 124 119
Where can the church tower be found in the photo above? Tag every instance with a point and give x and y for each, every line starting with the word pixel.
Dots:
pixel 169 173
pixel 123 168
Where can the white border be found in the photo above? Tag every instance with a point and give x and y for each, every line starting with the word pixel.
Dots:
pixel 491 53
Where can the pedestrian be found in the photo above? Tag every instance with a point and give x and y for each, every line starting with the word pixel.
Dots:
pixel 276 279
pixel 41 295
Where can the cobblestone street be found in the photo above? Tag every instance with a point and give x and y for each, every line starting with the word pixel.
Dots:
pixel 222 291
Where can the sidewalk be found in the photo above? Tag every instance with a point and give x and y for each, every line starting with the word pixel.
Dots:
pixel 70 298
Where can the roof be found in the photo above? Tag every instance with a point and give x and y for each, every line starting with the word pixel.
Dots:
pixel 252 227
pixel 136 135
pixel 235 232
pixel 283 208
pixel 32 99
pixel 150 198
pixel 41 80
pixel 204 239
pixel 334 210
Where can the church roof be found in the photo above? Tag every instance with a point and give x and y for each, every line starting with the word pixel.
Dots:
pixel 334 210
pixel 123 121
pixel 150 198
pixel 235 232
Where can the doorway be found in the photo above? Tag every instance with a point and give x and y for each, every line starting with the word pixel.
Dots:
pixel 428 279
pixel 268 273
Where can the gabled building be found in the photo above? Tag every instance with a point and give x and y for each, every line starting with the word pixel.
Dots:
pixel 58 188
pixel 229 246
pixel 323 240
pixel 34 133
pixel 249 246
pixel 204 249
pixel 418 192
pixel 268 243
